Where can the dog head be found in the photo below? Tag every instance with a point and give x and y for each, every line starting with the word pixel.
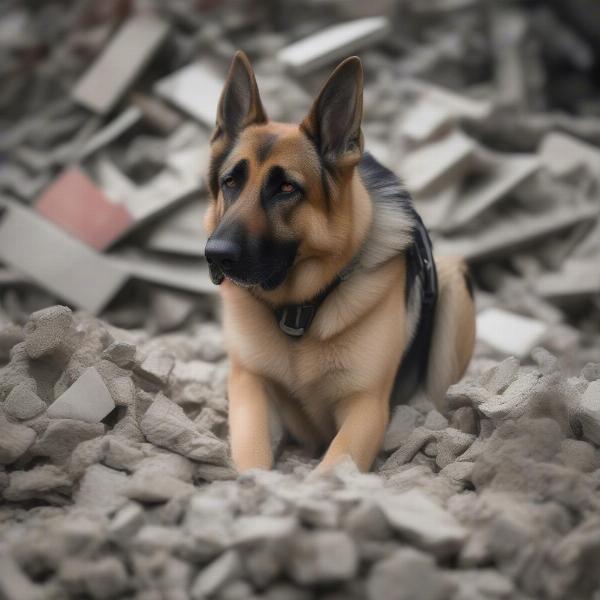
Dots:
pixel 280 192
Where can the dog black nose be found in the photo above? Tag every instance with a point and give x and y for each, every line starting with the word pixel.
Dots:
pixel 223 253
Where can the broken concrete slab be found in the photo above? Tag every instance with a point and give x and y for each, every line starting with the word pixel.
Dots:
pixel 505 238
pixel 438 164
pixel 499 177
pixel 575 279
pixel 334 42
pixel 191 276
pixel 562 154
pixel 88 399
pixel 425 120
pixel 58 262
pixel 509 333
pixel 588 412
pixel 72 199
pixel 182 88
pixel 111 131
pixel 102 490
pixel 120 62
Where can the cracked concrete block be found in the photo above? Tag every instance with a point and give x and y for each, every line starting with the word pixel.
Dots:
pixel 88 399
pixel 15 440
pixel 166 425
pixel 225 568
pixel 23 403
pixel 322 557
pixel 62 436
pixel 46 482
pixel 424 523
pixel 48 330
pixel 408 574
pixel 402 424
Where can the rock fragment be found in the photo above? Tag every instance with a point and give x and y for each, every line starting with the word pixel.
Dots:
pixel 62 436
pixel 588 412
pixel 157 367
pixel 408 574
pixel 101 579
pixel 23 403
pixel 46 482
pixel 47 330
pixel 322 557
pixel 423 522
pixel 88 399
pixel 215 575
pixel 166 425
pixel 15 440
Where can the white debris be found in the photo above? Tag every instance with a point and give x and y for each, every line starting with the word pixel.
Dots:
pixel 508 332
pixel 88 399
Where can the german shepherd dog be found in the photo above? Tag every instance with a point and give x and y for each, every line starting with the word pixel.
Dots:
pixel 331 301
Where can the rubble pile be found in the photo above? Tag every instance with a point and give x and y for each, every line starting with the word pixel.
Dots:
pixel 115 476
pixel 116 482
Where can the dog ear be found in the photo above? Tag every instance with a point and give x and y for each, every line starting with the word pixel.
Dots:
pixel 334 119
pixel 240 103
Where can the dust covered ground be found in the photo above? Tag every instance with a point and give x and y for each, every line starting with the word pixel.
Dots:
pixel 499 500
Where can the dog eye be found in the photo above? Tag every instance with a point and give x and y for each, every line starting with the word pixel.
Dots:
pixel 229 182
pixel 287 188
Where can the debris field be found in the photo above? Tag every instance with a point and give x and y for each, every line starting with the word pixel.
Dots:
pixel 115 475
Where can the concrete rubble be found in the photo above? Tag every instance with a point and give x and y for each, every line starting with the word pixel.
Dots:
pixel 115 474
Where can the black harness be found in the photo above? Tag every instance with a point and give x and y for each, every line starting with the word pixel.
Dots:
pixel 295 319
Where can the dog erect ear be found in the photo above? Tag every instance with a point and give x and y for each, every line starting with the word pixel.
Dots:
pixel 334 119
pixel 240 103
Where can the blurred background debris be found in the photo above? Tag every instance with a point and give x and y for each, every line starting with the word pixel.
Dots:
pixel 489 111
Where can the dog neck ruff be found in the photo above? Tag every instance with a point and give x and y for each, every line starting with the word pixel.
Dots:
pixel 295 319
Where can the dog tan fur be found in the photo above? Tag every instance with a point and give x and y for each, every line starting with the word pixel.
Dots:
pixel 331 388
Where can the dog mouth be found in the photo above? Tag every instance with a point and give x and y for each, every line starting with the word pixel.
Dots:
pixel 268 282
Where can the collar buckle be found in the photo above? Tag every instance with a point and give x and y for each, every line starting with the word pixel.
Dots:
pixel 295 320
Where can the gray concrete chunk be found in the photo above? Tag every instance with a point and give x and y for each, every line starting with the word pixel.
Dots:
pixel 15 440
pixel 88 399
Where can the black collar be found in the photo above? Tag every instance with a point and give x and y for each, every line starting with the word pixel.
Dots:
pixel 295 319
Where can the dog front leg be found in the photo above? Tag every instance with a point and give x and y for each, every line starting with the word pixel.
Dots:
pixel 362 420
pixel 249 420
